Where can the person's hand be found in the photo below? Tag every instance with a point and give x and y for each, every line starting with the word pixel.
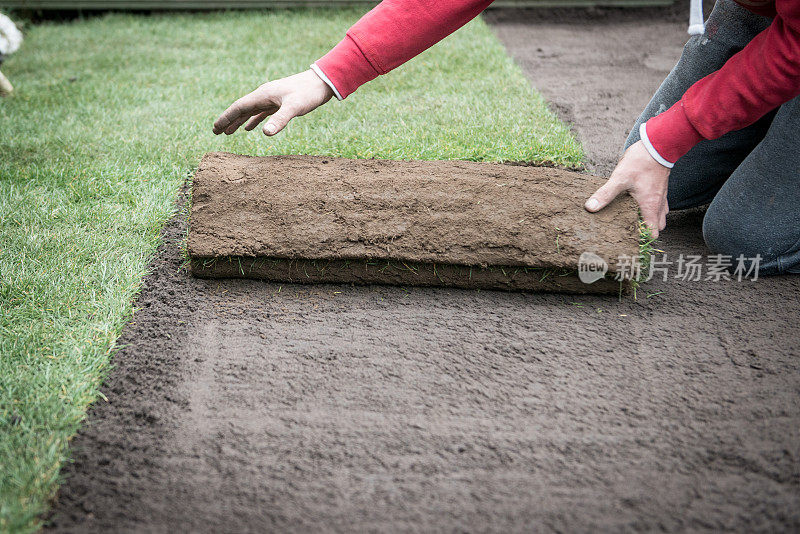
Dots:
pixel 284 99
pixel 645 179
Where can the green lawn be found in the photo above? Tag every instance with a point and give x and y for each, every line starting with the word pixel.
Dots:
pixel 112 113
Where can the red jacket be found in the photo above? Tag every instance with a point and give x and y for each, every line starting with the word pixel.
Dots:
pixel 761 77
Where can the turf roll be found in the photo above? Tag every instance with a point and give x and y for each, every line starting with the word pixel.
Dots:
pixel 310 219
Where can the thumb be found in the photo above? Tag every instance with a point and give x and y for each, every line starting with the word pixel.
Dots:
pixel 280 119
pixel 603 196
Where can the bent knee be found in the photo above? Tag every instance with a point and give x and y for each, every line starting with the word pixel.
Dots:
pixel 749 240
pixel 732 236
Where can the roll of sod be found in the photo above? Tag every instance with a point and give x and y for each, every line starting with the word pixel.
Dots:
pixel 308 219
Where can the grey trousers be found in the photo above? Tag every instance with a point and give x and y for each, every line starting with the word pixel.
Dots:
pixel 750 177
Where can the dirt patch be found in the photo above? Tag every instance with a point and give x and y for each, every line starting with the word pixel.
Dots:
pixel 452 223
pixel 242 405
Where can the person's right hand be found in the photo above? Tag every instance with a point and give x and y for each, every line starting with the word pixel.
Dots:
pixel 284 99
pixel 647 181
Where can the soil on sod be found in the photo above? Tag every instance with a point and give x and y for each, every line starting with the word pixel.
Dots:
pixel 241 405
pixel 450 223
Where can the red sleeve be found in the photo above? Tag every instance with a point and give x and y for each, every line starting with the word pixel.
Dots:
pixel 391 34
pixel 761 77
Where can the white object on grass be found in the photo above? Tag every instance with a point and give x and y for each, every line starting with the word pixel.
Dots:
pixel 10 36
pixel 5 86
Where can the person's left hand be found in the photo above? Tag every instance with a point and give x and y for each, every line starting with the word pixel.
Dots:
pixel 645 179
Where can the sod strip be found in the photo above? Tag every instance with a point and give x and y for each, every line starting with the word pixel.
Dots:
pixel 448 223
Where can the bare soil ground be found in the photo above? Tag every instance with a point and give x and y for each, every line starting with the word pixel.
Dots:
pixel 248 406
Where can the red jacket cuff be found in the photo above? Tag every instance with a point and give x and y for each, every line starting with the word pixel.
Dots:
pixel 672 134
pixel 347 67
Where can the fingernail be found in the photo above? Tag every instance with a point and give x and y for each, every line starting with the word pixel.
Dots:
pixel 270 128
pixel 592 204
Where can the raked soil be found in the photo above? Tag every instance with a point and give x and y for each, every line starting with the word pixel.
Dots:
pixel 246 406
